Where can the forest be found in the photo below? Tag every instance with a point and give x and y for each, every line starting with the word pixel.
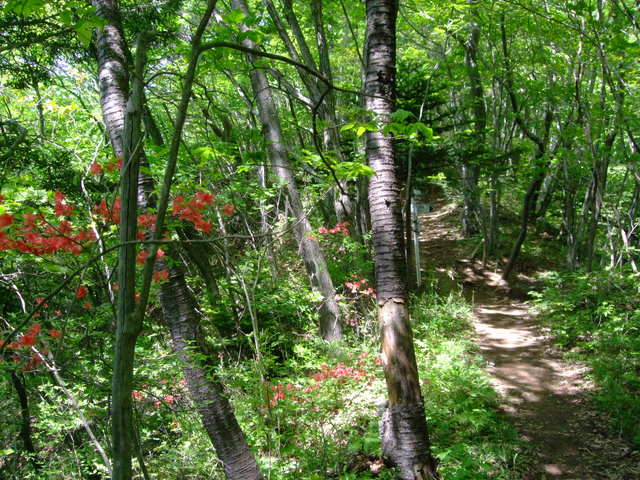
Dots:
pixel 321 239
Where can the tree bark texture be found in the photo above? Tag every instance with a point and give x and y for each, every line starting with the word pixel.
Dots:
pixel 216 413
pixel 25 414
pixel 315 264
pixel 113 72
pixel 182 317
pixel 403 425
pixel 128 325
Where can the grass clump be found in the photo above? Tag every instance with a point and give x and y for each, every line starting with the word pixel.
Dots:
pixel 317 412
pixel 470 437
pixel 595 317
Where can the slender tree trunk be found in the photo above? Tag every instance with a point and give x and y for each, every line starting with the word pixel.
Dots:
pixel 342 203
pixel 470 198
pixel 128 324
pixel 25 413
pixel 179 307
pixel 181 314
pixel 471 169
pixel 527 211
pixel 541 142
pixel 492 230
pixel 315 264
pixel 403 425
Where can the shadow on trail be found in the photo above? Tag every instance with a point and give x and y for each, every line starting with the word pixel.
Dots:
pixel 547 397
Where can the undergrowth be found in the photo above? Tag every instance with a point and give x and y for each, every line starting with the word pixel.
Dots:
pixel 595 317
pixel 312 413
pixel 316 415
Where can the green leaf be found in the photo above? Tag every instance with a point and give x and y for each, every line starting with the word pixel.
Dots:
pixel 427 132
pixel 360 131
pixel 84 31
pixel 24 7
pixel 252 35
pixel 234 16
pixel 400 115
pixel 67 17
pixel 352 170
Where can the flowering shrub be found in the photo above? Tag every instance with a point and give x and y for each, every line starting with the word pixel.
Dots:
pixel 228 209
pixel 97 168
pixel 192 211
pixel 37 235
pixel 327 378
pixel 25 342
pixel 160 276
pixel 342 227
pixel 359 288
pixel 161 392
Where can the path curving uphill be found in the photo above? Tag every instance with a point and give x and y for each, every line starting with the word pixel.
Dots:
pixel 546 396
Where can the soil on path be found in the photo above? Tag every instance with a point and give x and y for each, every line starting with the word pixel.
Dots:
pixel 546 397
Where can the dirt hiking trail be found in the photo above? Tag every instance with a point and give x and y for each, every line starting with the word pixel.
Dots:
pixel 546 397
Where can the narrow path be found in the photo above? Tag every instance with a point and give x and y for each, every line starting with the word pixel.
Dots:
pixel 546 397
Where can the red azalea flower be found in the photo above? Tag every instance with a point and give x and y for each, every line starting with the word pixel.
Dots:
pixel 160 276
pixel 142 257
pixel 96 168
pixel 229 209
pixel 6 219
pixel 53 333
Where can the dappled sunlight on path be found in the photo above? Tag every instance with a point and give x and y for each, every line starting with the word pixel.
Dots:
pixel 547 397
pixel 539 390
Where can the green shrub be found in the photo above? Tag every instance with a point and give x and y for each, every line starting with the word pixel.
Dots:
pixel 596 316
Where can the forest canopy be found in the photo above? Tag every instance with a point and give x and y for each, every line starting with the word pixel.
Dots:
pixel 214 223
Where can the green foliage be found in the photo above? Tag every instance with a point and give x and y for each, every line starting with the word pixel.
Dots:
pixel 318 408
pixel 596 317
pixel 470 437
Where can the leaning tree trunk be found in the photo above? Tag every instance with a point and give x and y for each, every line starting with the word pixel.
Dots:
pixel 181 314
pixel 343 204
pixel 404 434
pixel 179 307
pixel 317 90
pixel 315 264
pixel 540 141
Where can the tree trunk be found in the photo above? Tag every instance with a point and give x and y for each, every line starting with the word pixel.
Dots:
pixel 180 310
pixel 128 324
pixel 470 197
pixel 181 314
pixel 471 169
pixel 540 141
pixel 315 264
pixel 527 211
pixel 492 230
pixel 403 425
pixel 25 413
pixel 113 72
